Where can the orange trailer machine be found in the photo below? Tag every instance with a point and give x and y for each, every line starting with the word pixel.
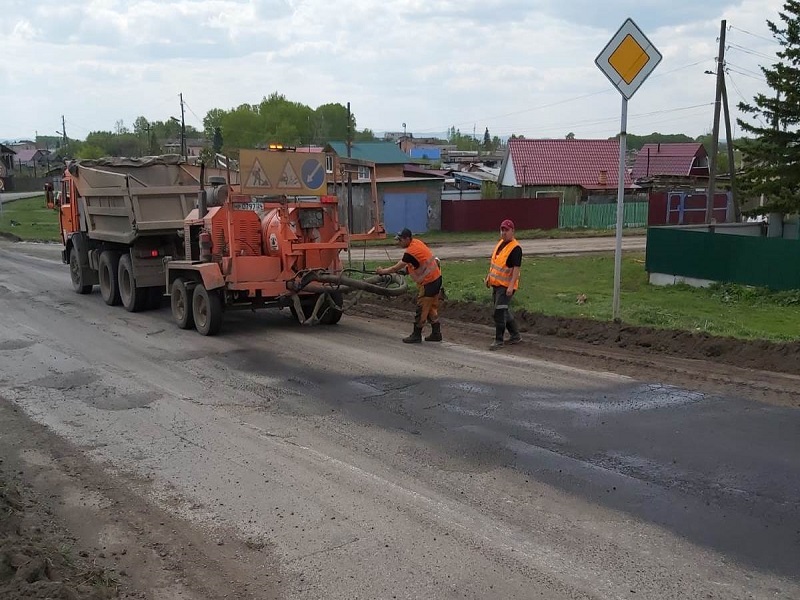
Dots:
pixel 274 240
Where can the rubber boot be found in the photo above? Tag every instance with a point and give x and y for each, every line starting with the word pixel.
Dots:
pixel 436 333
pixel 498 338
pixel 415 337
pixel 515 338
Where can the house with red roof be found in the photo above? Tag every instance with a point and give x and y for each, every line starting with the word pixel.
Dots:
pixel 31 158
pixel 674 161
pixel 571 169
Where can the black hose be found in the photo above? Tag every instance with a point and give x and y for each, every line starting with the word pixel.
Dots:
pixel 320 283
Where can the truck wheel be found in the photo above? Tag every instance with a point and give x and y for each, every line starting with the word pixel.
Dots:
pixel 133 299
pixel 107 271
pixel 207 310
pixel 330 315
pixel 181 302
pixel 77 273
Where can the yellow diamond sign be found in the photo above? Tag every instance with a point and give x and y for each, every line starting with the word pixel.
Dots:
pixel 628 59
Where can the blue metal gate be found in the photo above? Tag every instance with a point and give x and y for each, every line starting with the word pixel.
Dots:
pixel 405 210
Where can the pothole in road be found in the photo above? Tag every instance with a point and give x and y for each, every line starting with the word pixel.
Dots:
pixel 109 399
pixel 65 381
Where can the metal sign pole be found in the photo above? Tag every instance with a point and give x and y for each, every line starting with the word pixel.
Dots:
pixel 623 135
pixel 626 60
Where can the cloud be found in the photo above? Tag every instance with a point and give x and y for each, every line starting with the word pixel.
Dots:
pixel 514 66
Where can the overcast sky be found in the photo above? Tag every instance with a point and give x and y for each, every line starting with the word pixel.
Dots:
pixel 514 66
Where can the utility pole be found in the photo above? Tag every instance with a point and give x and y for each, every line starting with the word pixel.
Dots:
pixel 737 211
pixel 349 173
pixel 712 174
pixel 183 130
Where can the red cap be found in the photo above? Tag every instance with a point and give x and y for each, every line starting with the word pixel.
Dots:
pixel 507 224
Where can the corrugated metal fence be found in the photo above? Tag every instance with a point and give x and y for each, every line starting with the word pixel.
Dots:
pixel 758 261
pixel 601 216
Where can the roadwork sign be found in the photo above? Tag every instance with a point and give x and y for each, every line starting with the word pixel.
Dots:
pixel 268 173
pixel 628 59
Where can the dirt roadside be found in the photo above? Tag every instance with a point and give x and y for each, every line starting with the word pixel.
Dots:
pixel 68 530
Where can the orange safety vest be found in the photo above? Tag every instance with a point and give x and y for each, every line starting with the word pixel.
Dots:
pixel 499 273
pixel 428 270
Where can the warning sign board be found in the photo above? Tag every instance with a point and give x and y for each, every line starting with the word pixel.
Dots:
pixel 289 178
pixel 268 173
pixel 257 178
pixel 628 59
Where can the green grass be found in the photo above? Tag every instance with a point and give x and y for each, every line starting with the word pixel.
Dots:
pixel 30 220
pixel 446 237
pixel 551 285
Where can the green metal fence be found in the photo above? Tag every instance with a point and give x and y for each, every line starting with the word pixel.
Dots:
pixel 759 261
pixel 601 216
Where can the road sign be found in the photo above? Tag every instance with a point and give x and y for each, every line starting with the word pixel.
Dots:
pixel 628 59
pixel 313 173
pixel 276 173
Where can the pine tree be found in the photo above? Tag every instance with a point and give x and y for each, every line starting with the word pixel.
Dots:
pixel 487 140
pixel 771 154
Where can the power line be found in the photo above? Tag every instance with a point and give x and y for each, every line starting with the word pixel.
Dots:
pixel 590 122
pixel 738 72
pixel 186 104
pixel 746 70
pixel 552 104
pixel 694 64
pixel 749 51
pixel 519 112
pixel 744 100
pixel 755 35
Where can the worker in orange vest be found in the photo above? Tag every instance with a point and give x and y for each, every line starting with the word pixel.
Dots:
pixel 423 268
pixel 503 278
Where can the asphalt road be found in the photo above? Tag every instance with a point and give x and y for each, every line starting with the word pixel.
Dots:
pixel 366 468
pixel 11 196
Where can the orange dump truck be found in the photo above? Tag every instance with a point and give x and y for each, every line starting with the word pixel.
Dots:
pixel 141 228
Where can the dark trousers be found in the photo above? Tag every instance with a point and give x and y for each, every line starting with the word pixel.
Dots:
pixel 503 318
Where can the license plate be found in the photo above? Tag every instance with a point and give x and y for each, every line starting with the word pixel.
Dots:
pixel 255 206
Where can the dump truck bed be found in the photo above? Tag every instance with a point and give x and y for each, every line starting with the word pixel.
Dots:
pixel 122 199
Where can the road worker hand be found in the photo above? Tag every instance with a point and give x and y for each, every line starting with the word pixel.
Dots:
pixel 381 271
pixel 486 281
pixel 509 292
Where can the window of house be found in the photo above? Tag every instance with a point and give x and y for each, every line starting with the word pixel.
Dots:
pixel 363 172
pixel 328 163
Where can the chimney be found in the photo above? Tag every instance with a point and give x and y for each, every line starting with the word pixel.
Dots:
pixel 603 178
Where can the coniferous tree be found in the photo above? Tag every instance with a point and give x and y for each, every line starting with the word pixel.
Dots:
pixel 771 153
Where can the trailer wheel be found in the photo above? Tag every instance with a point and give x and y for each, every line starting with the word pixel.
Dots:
pixel 181 302
pixel 77 273
pixel 207 310
pixel 109 284
pixel 332 316
pixel 133 299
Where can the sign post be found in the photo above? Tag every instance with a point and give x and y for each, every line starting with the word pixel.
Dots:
pixel 627 60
